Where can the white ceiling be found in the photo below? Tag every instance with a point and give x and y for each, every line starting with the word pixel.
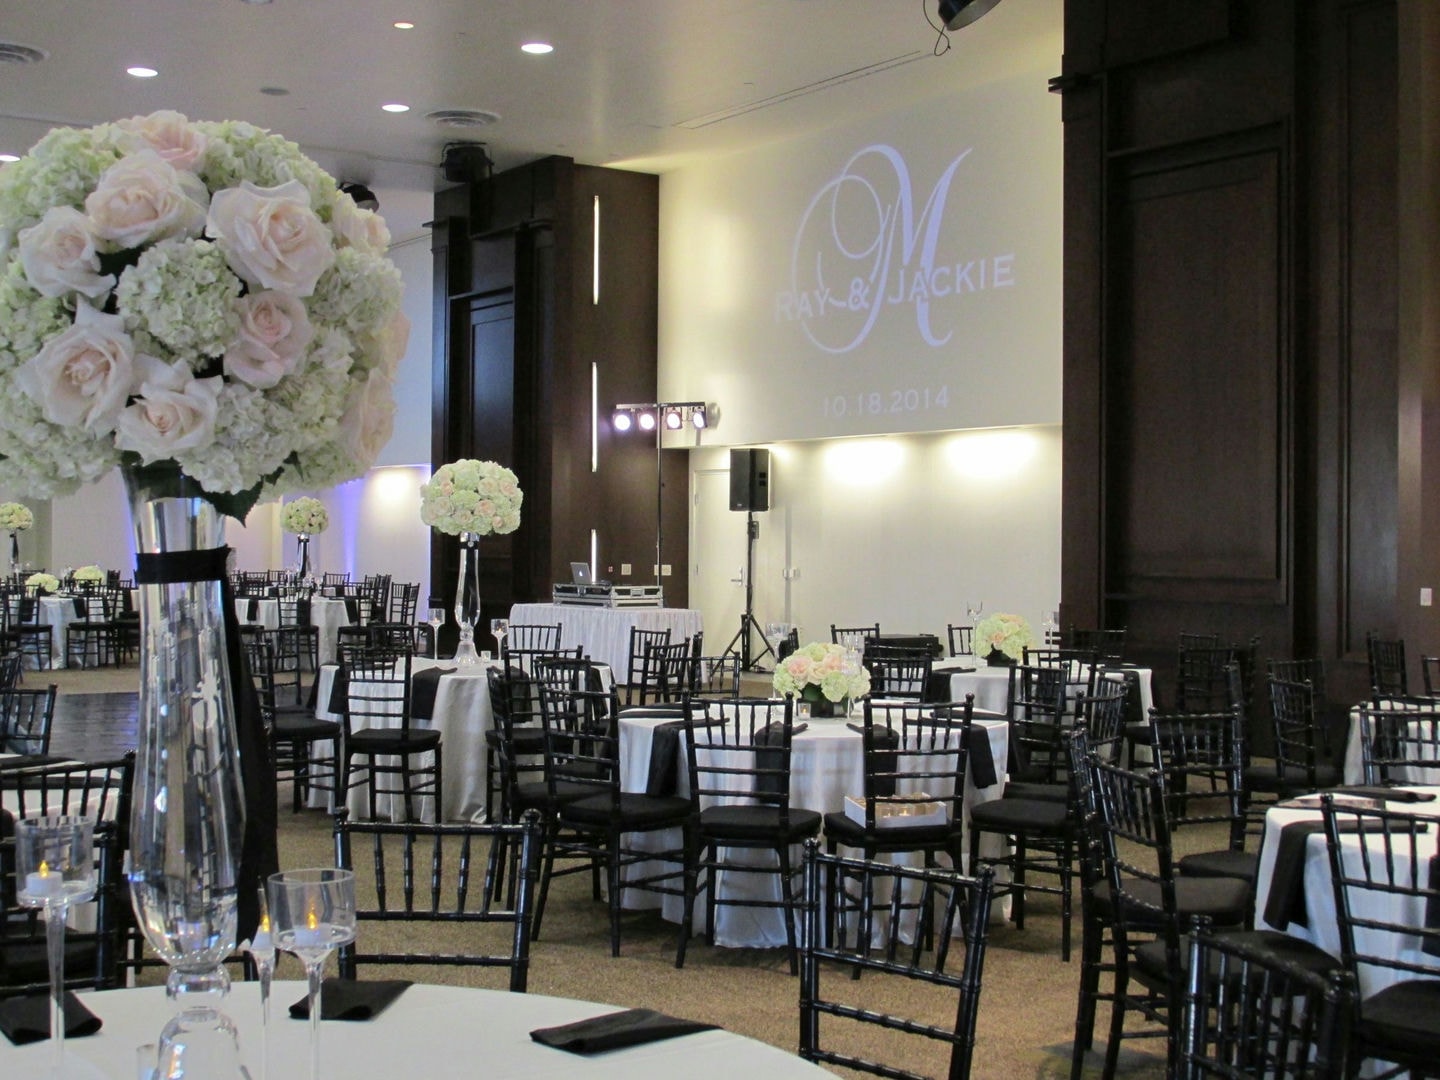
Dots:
pixel 643 84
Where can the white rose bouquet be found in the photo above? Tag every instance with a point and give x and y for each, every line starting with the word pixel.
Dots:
pixel 472 496
pixel 820 670
pixel 190 299
pixel 305 515
pixel 1009 634
pixel 42 583
pixel 88 573
pixel 15 517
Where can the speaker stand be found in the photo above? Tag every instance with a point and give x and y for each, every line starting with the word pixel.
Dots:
pixel 740 644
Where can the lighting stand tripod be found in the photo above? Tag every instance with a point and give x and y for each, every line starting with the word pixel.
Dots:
pixel 740 643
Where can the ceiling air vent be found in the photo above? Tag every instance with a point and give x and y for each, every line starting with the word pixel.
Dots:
pixel 463 118
pixel 12 52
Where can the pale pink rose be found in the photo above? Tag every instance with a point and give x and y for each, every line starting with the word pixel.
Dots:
pixel 82 376
pixel 171 136
pixel 274 331
pixel 59 256
pixel 369 419
pixel 271 237
pixel 358 228
pixel 142 198
pixel 508 522
pixel 393 339
pixel 173 411
pixel 799 668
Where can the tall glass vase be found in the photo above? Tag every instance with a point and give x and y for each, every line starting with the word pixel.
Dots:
pixel 302 568
pixel 467 598
pixel 14 554
pixel 188 817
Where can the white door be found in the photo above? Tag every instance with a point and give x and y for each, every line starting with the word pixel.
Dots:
pixel 717 561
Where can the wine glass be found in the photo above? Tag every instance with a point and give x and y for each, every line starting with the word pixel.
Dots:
pixel 973 608
pixel 262 955
pixel 313 912
pixel 54 858
pixel 775 635
pixel 436 620
pixel 498 629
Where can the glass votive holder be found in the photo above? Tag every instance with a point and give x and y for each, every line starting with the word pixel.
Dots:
pixel 54 860
pixel 802 710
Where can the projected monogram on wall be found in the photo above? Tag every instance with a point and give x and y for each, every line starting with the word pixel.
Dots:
pixel 861 249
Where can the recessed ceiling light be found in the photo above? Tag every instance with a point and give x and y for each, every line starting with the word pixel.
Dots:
pixel 142 72
pixel 537 48
pixel 395 106
pixel 403 25
pixel 274 91
pixel 9 157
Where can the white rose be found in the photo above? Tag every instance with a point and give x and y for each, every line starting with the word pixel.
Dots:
pixel 142 198
pixel 393 339
pixel 59 255
pixel 82 376
pixel 173 411
pixel 274 331
pixel 171 136
pixel 358 228
pixel 271 237
pixel 369 419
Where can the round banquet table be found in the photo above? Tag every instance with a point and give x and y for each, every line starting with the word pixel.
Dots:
pixel 428 1031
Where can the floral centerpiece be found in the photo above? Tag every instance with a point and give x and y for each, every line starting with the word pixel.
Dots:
pixel 305 516
pixel 200 304
pixel 88 573
pixel 15 517
pixel 470 499
pixel 42 582
pixel 820 674
pixel 1008 635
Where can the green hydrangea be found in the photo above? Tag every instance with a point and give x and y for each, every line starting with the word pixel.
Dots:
pixel 183 295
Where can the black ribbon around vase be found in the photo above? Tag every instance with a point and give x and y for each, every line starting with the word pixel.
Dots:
pixel 259 854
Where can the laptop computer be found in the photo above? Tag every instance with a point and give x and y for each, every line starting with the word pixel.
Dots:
pixel 580 573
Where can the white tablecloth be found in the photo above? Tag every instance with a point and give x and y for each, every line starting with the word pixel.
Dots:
pixel 326 614
pixel 1323 927
pixel 429 1031
pixel 1354 771
pixel 56 612
pixel 991 685
pixel 826 764
pixel 605 632
pixel 462 715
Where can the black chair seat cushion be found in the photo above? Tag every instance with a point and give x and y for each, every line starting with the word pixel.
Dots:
pixel 1227 901
pixel 536 793
pixel 1266 778
pixel 756 824
pixel 636 811
pixel 301 726
pixel 393 740
pixel 28 963
pixel 527 740
pixel 1029 789
pixel 1009 815
pixel 841 828
pixel 1221 863
pixel 1403 1016
pixel 1151 958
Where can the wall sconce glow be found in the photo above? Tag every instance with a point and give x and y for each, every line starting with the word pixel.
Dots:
pixel 396 486
pixel 594 416
pixel 594 552
pixel 991 455
pixel 864 462
pixel 142 72
pixel 595 255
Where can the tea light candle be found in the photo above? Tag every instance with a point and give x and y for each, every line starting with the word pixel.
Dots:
pixel 263 942
pixel 313 935
pixel 43 884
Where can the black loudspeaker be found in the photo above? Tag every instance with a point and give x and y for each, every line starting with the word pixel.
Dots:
pixel 465 163
pixel 749 479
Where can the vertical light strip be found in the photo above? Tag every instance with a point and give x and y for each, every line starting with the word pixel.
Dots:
pixel 594 555
pixel 595 256
pixel 594 416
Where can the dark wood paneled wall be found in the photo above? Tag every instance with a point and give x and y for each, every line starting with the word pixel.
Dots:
pixel 517 328
pixel 1231 314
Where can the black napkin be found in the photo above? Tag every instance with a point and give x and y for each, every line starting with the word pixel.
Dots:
pixel 937 685
pixel 349 999
pixel 770 780
pixel 982 764
pixel 251 606
pixel 1431 945
pixel 1286 902
pixel 82 611
pixel 887 741
pixel 339 690
pixel 1388 794
pixel 424 685
pixel 27 1019
pixel 302 611
pixel 664 775
pixel 614 1031
pixel 352 609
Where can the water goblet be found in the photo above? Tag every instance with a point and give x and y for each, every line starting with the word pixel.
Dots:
pixel 436 620
pixel 313 912
pixel 55 867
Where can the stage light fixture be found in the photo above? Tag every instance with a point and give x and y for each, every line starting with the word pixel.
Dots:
pixel 621 420
pixel 646 419
pixel 697 417
pixel 674 418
